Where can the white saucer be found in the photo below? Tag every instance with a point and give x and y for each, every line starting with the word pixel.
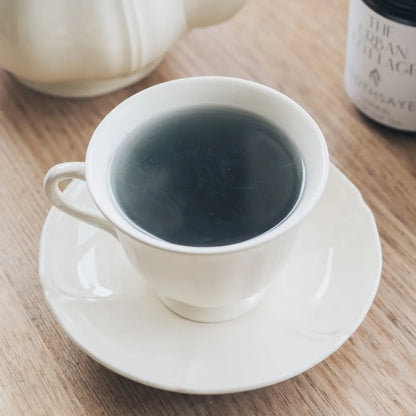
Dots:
pixel 324 295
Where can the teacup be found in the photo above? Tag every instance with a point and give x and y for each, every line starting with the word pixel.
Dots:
pixel 206 284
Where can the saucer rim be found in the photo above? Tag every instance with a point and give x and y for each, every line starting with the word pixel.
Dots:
pixel 208 391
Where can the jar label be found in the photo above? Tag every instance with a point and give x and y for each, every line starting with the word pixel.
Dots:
pixel 380 68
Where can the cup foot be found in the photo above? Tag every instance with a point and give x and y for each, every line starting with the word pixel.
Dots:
pixel 212 314
pixel 85 89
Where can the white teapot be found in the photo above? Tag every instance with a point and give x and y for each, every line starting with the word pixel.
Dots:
pixel 82 48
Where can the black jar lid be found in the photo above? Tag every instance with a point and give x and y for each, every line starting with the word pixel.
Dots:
pixel 403 11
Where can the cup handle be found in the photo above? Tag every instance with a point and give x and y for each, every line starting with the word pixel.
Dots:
pixel 72 170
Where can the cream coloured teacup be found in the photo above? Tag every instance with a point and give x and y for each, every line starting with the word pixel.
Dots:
pixel 212 283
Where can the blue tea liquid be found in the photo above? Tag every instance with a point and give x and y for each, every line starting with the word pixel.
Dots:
pixel 208 176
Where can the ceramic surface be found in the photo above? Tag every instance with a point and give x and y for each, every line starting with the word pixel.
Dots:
pixel 208 284
pixel 326 289
pixel 83 48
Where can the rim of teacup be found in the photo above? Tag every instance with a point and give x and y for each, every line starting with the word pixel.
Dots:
pixel 118 123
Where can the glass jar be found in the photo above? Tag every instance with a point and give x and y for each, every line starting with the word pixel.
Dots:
pixel 380 68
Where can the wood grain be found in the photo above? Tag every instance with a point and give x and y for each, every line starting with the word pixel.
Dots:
pixel 296 47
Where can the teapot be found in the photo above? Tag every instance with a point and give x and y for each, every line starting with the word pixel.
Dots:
pixel 81 48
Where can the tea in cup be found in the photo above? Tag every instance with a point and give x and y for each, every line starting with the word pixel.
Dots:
pixel 204 182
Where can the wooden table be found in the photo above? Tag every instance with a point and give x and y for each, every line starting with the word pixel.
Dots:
pixel 296 47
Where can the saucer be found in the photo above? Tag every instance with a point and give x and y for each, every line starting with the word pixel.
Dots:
pixel 320 299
